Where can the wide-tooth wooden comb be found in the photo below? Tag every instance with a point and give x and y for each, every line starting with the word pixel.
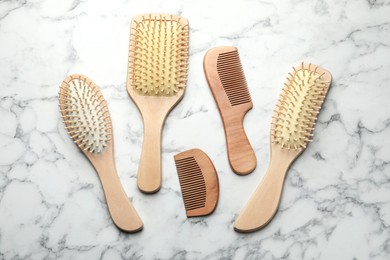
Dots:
pixel 292 126
pixel 87 120
pixel 157 75
pixel 199 182
pixel 227 82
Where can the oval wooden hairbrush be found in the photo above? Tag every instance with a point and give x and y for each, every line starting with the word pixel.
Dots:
pixel 87 120
pixel 227 82
pixel 157 76
pixel 292 125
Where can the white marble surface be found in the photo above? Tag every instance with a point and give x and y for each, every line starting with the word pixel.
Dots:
pixel 336 201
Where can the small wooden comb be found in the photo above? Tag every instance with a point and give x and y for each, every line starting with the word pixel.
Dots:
pixel 199 182
pixel 227 82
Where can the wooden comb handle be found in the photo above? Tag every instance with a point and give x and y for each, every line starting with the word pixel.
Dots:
pixel 121 209
pixel 149 169
pixel 264 202
pixel 242 158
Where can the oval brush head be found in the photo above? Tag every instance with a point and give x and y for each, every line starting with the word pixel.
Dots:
pixel 85 114
pixel 299 104
pixel 158 54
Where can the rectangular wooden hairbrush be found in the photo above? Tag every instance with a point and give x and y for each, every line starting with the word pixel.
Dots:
pixel 199 182
pixel 292 125
pixel 87 120
pixel 157 76
pixel 227 82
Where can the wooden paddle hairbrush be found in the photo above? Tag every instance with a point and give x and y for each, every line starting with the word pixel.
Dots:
pixel 199 182
pixel 87 120
pixel 157 76
pixel 227 82
pixel 292 126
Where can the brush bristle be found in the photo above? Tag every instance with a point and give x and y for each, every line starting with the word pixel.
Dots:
pixel 192 183
pixel 158 55
pixel 85 114
pixel 298 106
pixel 232 78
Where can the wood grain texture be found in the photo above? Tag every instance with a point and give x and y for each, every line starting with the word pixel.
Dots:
pixel 227 83
pixel 121 209
pixel 154 110
pixel 199 182
pixel 264 202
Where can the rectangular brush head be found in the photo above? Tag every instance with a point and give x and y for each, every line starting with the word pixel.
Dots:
pixel 158 57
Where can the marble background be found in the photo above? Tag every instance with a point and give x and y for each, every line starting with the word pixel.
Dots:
pixel 336 201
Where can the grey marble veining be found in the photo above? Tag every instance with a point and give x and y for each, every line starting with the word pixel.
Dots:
pixel 336 201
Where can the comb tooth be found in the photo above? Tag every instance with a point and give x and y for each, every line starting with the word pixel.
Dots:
pixel 191 199
pixel 194 192
pixel 194 199
pixel 189 188
pixel 191 175
pixel 189 166
pixel 194 204
pixel 191 203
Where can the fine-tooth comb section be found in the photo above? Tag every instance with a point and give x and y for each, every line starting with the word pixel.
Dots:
pixel 158 55
pixel 232 78
pixel 298 106
pixel 192 183
pixel 84 112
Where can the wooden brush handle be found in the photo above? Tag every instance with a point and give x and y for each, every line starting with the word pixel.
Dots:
pixel 121 209
pixel 149 169
pixel 263 204
pixel 242 158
